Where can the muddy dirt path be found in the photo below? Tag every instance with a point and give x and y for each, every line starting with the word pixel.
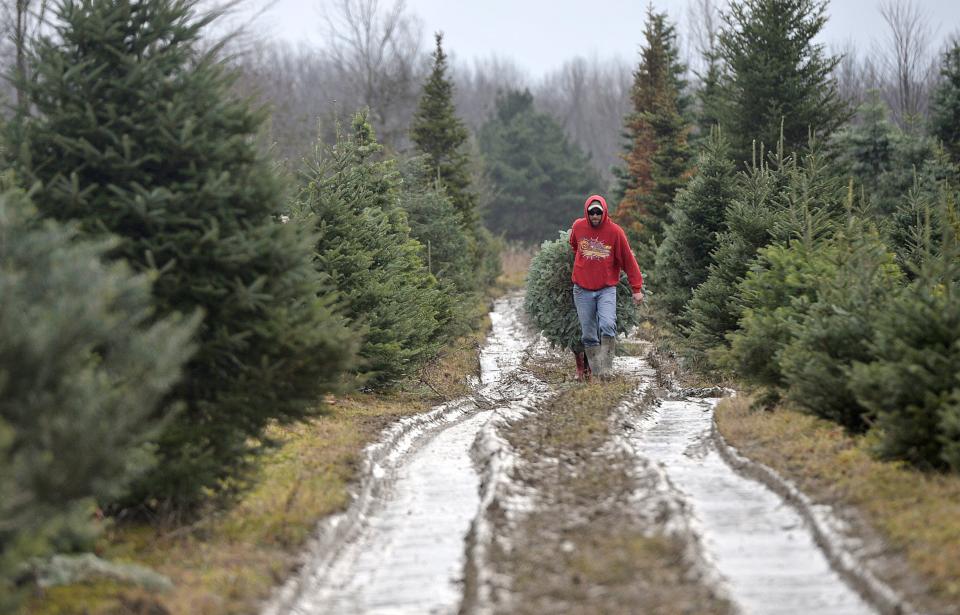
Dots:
pixel 760 545
pixel 469 508
pixel 400 546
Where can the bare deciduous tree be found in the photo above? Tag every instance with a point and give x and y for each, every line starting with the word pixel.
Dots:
pixel 376 53
pixel 477 87
pixel 909 66
pixel 20 22
pixel 590 98
pixel 703 22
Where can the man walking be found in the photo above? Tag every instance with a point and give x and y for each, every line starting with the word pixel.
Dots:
pixel 601 252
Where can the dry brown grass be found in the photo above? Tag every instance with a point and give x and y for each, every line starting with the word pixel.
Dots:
pixel 229 560
pixel 515 262
pixel 917 513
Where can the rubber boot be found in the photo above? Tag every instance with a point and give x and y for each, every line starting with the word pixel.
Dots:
pixel 608 348
pixel 583 370
pixel 595 359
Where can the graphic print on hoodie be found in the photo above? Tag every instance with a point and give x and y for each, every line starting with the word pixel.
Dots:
pixel 602 252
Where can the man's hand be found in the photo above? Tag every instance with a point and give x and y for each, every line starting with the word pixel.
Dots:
pixel 638 297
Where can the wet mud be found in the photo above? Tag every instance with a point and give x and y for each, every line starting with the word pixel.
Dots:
pixel 399 548
pixel 537 494
pixel 575 524
pixel 763 550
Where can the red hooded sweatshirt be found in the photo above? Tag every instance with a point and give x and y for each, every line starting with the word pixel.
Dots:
pixel 601 252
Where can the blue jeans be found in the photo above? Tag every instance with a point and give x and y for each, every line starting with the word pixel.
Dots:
pixel 597 311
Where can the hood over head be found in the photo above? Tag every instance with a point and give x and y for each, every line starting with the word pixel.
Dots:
pixel 595 198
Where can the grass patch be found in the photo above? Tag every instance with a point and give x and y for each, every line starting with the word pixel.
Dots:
pixel 574 421
pixel 514 264
pixel 230 559
pixel 917 513
pixel 584 549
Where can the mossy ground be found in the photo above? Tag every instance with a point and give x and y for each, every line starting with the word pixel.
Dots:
pixel 916 513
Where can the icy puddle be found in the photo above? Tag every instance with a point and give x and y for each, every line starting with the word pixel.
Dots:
pixel 766 556
pixel 400 547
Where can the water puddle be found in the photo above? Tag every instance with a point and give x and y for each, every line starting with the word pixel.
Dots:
pixel 759 545
pixel 400 548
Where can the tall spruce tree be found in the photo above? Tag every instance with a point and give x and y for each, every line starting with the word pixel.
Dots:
pixel 684 256
pixel 441 135
pixel 945 106
pixel 541 177
pixel 133 131
pixel 657 156
pixel 777 76
pixel 84 365
pixel 352 199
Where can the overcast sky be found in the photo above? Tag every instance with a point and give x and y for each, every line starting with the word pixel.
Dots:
pixel 539 35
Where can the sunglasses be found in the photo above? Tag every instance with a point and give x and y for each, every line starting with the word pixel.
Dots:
pixel 595 212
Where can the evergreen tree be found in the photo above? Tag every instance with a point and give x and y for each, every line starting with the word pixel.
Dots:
pixel 133 131
pixel 885 161
pixel 541 177
pixel 438 226
pixel 838 327
pixel 911 387
pixel 866 149
pixel 549 298
pixel 945 106
pixel 684 257
pixel 918 226
pixel 657 155
pixel 713 310
pixel 84 365
pixel 779 80
pixel 441 135
pixel 775 295
pixel 710 96
pixel 782 281
pixel 364 248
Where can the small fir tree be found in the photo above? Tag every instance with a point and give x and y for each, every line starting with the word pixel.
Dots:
pixel 945 106
pixel 911 386
pixel 777 291
pixel 713 310
pixel 887 162
pixel 866 149
pixel 133 131
pixel 838 327
pixel 364 248
pixel 779 81
pixel 549 298
pixel 84 366
pixel 683 259
pixel 438 133
pixel 540 177
pixel 438 226
pixel 774 295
